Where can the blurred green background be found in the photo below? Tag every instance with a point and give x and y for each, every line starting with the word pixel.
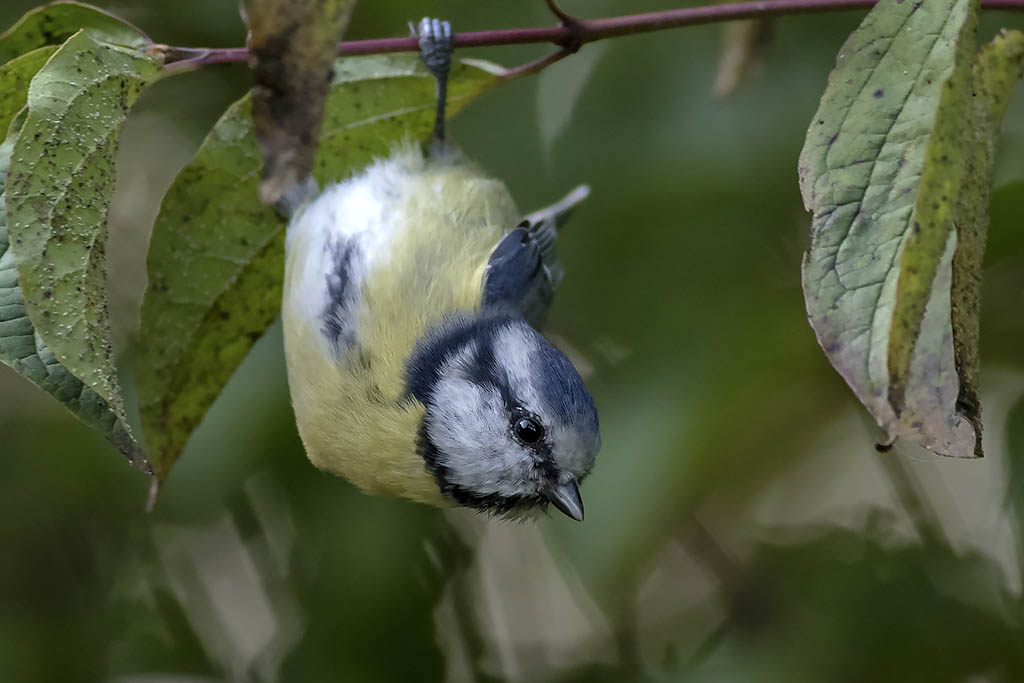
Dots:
pixel 740 525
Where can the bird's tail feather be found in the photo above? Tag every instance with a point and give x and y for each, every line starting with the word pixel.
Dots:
pixel 544 224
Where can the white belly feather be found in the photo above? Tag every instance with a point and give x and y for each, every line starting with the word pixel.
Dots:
pixel 363 213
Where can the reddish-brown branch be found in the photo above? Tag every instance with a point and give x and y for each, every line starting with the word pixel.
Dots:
pixel 570 34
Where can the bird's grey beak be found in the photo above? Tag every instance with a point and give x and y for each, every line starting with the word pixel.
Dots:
pixel 566 497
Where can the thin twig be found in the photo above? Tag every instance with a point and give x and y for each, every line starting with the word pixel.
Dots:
pixel 577 31
pixel 537 65
pixel 562 15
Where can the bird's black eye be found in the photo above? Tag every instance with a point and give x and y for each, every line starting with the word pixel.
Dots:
pixel 528 430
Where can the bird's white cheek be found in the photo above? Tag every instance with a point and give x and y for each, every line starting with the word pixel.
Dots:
pixel 468 425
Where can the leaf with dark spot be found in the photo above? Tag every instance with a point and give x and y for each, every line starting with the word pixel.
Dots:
pixel 292 47
pixel 882 172
pixel 59 185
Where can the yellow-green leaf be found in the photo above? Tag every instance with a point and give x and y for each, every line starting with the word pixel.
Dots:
pixel 997 68
pixel 923 382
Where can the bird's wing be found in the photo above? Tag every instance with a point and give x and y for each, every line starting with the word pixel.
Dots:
pixel 523 271
pixel 516 277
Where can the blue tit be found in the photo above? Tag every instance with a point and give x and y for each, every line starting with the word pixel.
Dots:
pixel 412 297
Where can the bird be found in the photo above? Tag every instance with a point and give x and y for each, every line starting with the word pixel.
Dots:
pixel 413 294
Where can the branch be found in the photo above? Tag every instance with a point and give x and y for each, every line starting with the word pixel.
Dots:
pixel 569 35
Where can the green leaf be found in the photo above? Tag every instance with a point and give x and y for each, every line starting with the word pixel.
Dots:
pixel 23 350
pixel 997 68
pixel 15 76
pixel 58 194
pixel 883 159
pixel 293 44
pixel 216 258
pixel 54 23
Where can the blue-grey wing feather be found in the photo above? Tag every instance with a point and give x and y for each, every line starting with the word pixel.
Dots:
pixel 523 271
pixel 517 279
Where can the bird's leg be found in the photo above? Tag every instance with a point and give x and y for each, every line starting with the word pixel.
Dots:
pixel 436 44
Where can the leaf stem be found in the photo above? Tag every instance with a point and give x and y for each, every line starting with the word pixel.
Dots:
pixel 568 35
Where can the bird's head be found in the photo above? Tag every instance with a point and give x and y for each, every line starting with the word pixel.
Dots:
pixel 509 427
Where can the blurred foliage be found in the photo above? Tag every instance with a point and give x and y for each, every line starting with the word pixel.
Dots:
pixel 740 526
